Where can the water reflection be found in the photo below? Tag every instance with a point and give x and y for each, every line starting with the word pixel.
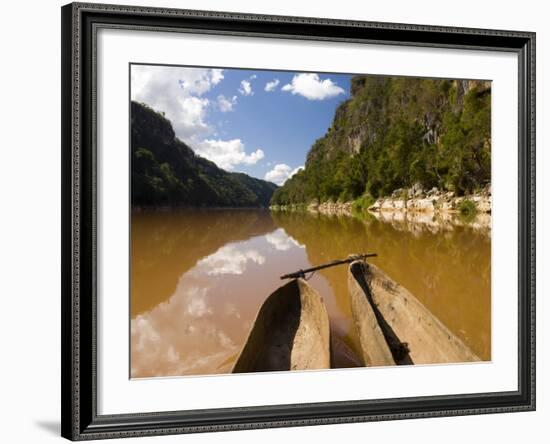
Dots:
pixel 199 277
pixel 230 260
pixel 435 223
pixel 448 271
pixel 166 244
pixel 201 326
pixel 282 241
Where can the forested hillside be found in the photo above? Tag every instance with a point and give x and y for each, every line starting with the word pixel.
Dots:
pixel 395 132
pixel 166 172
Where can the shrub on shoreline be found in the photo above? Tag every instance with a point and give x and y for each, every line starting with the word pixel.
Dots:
pixel 467 207
pixel 362 204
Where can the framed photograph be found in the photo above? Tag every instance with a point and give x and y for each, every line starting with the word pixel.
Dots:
pixel 278 221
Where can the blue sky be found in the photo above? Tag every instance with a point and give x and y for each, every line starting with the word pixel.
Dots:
pixel 259 122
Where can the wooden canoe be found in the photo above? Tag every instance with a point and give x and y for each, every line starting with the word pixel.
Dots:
pixel 291 332
pixel 394 327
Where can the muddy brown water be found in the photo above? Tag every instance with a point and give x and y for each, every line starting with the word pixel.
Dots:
pixel 198 278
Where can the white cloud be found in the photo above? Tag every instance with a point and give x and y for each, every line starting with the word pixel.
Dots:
pixel 281 241
pixel 225 104
pixel 281 173
pixel 217 76
pixel 246 88
pixel 312 87
pixel 193 111
pixel 270 86
pixel 177 92
pixel 230 260
pixel 227 153
pixel 150 81
pixel 197 306
pixel 164 339
pixel 147 333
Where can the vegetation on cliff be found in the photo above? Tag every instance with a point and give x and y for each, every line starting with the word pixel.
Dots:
pixel 166 172
pixel 395 132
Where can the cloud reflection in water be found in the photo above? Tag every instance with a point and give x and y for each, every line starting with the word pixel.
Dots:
pixel 202 326
pixel 282 241
pixel 230 260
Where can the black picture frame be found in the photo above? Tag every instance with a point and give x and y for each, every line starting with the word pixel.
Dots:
pixel 80 420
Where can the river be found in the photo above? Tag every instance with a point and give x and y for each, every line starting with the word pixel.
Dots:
pixel 198 278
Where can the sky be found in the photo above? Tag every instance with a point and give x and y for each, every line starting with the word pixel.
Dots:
pixel 261 123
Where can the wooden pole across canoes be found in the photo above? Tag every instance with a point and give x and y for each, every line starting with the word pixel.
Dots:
pixel 348 260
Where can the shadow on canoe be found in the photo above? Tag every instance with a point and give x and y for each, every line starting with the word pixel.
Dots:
pixel 291 332
pixel 396 328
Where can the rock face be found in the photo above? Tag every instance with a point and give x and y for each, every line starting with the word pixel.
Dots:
pixel 328 208
pixel 396 132
pixel 432 201
pixel 334 208
pixel 483 203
